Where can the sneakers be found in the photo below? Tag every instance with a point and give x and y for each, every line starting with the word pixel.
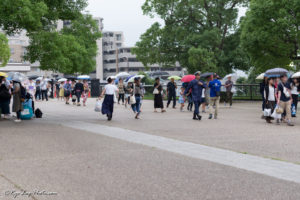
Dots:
pixel 17 120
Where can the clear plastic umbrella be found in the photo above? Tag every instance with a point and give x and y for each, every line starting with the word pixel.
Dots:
pixel 296 75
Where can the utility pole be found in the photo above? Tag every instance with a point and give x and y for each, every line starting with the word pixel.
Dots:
pixel 117 60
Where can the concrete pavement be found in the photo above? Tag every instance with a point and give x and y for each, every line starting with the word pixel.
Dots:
pixel 44 154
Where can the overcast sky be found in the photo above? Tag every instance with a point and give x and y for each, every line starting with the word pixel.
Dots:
pixel 123 15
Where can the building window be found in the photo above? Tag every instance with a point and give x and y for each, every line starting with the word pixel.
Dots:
pixel 119 37
pixel 12 51
pixel 119 44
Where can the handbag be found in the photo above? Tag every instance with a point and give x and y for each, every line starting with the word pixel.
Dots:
pixel 132 97
pixel 155 91
pixel 279 110
pixel 98 106
pixel 267 112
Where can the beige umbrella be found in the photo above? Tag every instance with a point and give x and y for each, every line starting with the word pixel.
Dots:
pixel 261 76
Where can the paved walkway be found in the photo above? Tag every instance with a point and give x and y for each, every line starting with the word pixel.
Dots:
pixel 161 156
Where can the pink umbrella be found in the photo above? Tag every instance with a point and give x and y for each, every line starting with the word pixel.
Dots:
pixel 187 78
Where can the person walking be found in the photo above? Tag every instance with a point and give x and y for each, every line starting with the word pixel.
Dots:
pixel 262 86
pixel 197 86
pixel 171 92
pixel 284 99
pixel 17 99
pixel 206 94
pixel 67 91
pixel 215 90
pixel 85 92
pixel 108 104
pixel 38 90
pixel 270 97
pixel 31 88
pixel 229 94
pixel 295 87
pixel 61 91
pixel 137 94
pixel 127 94
pixel 79 89
pixel 158 97
pixel 121 88
pixel 44 88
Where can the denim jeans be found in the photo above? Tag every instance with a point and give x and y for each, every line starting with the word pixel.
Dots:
pixel 136 107
pixel 197 105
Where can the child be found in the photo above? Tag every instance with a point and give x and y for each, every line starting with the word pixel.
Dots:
pixel 181 98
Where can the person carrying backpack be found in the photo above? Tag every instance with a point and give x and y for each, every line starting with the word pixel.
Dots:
pixel 215 93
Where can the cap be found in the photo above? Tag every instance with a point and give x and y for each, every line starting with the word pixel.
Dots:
pixel 197 73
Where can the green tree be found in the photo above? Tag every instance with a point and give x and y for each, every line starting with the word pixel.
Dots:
pixel 71 50
pixel 191 25
pixel 270 33
pixel 4 50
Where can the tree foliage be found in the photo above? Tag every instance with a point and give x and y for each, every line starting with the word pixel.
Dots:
pixel 4 50
pixel 270 33
pixel 70 50
pixel 206 25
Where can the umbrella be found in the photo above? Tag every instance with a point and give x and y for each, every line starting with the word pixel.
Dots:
pixel 228 75
pixel 84 77
pixel 122 74
pixel 174 77
pixel 296 75
pixel 187 78
pixel 129 78
pixel 17 77
pixel 3 74
pixel 62 80
pixel 33 77
pixel 261 76
pixel 207 74
pixel 137 76
pixel 276 72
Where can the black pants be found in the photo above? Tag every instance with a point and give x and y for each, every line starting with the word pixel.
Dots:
pixel 44 95
pixel 229 97
pixel 295 100
pixel 121 97
pixel 170 97
pixel 38 95
pixel 19 114
pixel 78 95
pixel 190 106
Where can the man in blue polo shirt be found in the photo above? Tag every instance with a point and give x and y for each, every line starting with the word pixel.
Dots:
pixel 215 90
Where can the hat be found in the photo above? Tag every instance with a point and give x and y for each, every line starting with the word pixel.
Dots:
pixel 197 73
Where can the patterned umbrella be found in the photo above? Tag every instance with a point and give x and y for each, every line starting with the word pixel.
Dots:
pixel 276 71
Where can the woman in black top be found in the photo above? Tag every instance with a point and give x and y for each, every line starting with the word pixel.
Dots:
pixel 158 99
pixel 270 97
pixel 78 89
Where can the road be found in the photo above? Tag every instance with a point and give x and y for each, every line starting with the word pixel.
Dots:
pixel 74 153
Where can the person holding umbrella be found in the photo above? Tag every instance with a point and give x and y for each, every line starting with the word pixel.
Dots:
pixel 197 87
pixel 171 92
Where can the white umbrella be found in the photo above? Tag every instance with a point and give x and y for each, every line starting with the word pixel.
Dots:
pixel 122 74
pixel 261 76
pixel 137 76
pixel 62 80
pixel 296 75
pixel 84 77
pixel 39 79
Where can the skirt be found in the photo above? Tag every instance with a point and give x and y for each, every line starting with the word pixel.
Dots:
pixel 108 105
pixel 158 101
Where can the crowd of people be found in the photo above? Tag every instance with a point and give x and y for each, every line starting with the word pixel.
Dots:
pixel 280 99
pixel 21 92
pixel 196 93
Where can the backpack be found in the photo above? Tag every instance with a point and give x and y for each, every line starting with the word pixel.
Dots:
pixel 38 113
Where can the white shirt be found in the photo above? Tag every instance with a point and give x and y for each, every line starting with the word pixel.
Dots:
pixel 31 88
pixel 294 90
pixel 44 85
pixel 271 96
pixel 110 89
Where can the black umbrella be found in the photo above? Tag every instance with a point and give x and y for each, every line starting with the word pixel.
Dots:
pixel 33 77
pixel 276 72
pixel 207 74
